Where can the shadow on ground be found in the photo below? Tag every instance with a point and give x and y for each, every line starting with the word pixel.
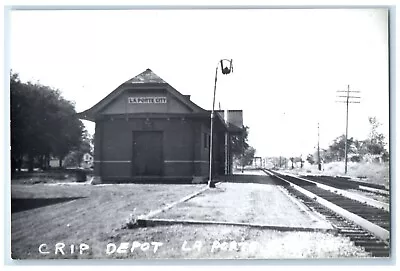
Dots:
pixel 19 205
pixel 244 178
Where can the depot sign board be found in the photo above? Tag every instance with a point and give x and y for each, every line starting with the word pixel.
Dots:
pixel 147 100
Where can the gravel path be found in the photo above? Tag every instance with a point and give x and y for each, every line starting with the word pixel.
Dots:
pixel 244 203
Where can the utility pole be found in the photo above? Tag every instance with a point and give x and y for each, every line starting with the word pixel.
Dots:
pixel 318 155
pixel 348 97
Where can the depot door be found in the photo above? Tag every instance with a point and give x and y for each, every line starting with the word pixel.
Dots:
pixel 147 153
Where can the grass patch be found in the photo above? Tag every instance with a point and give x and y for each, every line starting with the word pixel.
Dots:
pixel 50 176
pixel 92 219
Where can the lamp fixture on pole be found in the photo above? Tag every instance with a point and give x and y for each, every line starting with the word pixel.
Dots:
pixel 225 70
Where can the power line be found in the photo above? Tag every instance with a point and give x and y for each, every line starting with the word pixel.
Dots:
pixel 347 102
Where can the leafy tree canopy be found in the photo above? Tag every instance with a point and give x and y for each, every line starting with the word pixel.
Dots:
pixel 43 123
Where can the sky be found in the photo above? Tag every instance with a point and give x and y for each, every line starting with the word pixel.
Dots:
pixel 288 64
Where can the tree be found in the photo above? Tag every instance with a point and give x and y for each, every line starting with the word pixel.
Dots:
pixel 310 159
pixel 70 132
pixel 336 151
pixel 375 144
pixel 43 123
pixel 239 143
pixel 241 151
pixel 18 122
pixel 248 156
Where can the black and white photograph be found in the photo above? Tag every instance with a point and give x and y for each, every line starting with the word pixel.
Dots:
pixel 199 133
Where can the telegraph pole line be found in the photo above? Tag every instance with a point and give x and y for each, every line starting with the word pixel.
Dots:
pixel 347 101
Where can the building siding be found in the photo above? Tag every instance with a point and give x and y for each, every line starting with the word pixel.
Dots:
pixel 181 139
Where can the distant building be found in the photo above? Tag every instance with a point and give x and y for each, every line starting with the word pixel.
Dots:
pixel 147 130
pixel 54 162
pixel 87 160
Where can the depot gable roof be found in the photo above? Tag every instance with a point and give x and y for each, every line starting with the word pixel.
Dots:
pixel 146 80
pixel 148 76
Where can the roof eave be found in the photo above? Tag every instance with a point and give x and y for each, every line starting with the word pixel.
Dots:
pixel 87 115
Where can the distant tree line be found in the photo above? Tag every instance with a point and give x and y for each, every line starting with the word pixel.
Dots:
pixel 372 148
pixel 43 125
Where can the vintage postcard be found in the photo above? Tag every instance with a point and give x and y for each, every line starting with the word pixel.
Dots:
pixel 202 133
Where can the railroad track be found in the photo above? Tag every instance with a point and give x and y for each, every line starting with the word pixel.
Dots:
pixel 346 183
pixel 366 226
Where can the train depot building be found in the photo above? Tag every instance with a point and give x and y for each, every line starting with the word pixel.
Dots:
pixel 148 131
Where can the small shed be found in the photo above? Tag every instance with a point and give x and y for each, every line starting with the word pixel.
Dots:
pixel 147 131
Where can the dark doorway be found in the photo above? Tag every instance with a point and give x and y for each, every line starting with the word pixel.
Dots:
pixel 147 153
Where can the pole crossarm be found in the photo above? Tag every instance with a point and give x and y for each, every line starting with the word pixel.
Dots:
pixel 347 102
pixel 348 97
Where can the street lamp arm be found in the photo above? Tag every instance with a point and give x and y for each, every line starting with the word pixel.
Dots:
pixel 225 70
